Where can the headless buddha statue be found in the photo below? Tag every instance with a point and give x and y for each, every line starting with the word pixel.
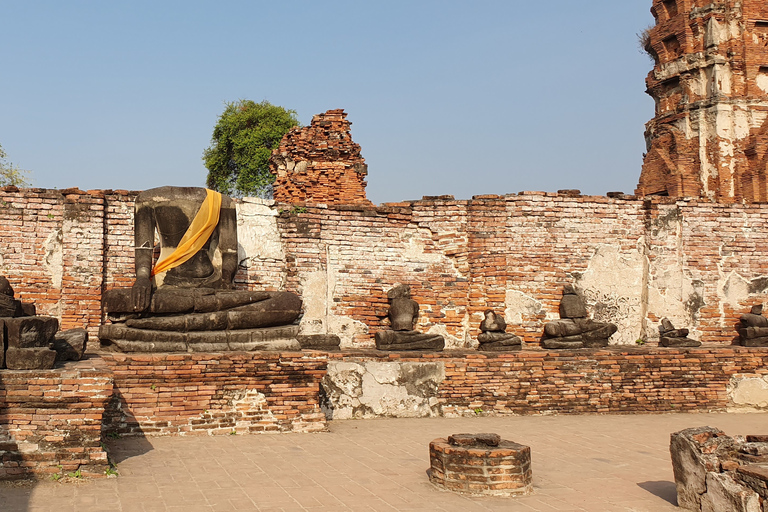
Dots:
pixel 403 314
pixel 186 301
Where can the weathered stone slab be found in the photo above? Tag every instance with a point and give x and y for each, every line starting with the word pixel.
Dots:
pixel 753 320
pixel 694 453
pixel 678 342
pixel 723 494
pixel 9 307
pixel 31 331
pixel 755 342
pixel 563 343
pixel 408 340
pixel 70 345
pixel 143 340
pixel 756 477
pixel 30 358
pixel 753 332
pixel 500 346
pixel 319 341
pixel 561 328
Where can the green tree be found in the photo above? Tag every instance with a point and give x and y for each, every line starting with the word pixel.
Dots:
pixel 10 174
pixel 241 144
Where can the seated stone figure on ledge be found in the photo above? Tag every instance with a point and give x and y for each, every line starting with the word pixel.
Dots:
pixel 753 328
pixel 671 337
pixel 403 313
pixel 494 336
pixel 186 301
pixel 574 329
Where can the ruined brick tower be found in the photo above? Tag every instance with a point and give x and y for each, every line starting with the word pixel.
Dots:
pixel 709 137
pixel 320 163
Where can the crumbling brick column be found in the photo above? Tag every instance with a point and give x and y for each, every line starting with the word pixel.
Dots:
pixel 709 136
pixel 320 163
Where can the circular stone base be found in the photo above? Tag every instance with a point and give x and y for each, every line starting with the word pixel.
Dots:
pixel 476 466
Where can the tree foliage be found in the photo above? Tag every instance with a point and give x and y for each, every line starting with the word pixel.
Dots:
pixel 241 144
pixel 10 174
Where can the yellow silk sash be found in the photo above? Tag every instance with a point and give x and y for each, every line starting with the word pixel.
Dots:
pixel 197 234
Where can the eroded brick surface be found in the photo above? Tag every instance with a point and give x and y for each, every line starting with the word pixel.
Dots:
pixel 50 421
pixel 709 137
pixel 320 163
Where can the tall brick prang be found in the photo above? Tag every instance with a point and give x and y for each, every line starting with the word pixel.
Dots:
pixel 709 137
pixel 320 163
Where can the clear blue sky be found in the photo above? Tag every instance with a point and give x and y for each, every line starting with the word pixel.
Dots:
pixel 445 96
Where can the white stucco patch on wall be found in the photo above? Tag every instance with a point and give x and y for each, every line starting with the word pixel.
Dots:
pixel 612 287
pixel 257 232
pixel 748 392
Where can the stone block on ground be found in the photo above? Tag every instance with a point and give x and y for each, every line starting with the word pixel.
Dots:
pixel 695 453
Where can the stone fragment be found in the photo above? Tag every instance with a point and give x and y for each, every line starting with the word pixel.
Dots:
pixel 5 287
pixel 70 344
pixel 561 343
pixel 671 337
pixel 408 340
pixel 30 358
pixel 28 309
pixel 756 477
pixel 678 342
pixel 9 307
pixel 31 331
pixel 571 306
pixel 723 494
pixel 319 341
pixel 755 342
pixel 695 453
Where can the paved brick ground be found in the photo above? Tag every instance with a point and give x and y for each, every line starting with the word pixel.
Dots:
pixel 593 463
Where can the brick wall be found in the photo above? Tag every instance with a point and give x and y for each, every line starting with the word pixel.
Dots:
pixel 188 394
pixel 699 263
pixel 628 380
pixel 50 420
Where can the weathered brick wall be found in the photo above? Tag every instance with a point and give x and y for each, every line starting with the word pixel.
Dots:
pixel 50 421
pixel 187 394
pixel 709 136
pixel 699 263
pixel 320 163
pixel 632 379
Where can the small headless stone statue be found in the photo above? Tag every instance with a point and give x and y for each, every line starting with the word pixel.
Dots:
pixel 671 337
pixel 190 305
pixel 753 329
pixel 574 329
pixel 494 336
pixel 403 313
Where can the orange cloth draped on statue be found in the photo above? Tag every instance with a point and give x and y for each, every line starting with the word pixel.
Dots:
pixel 199 231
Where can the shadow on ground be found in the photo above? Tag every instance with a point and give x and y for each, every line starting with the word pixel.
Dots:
pixel 663 489
pixel 124 448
